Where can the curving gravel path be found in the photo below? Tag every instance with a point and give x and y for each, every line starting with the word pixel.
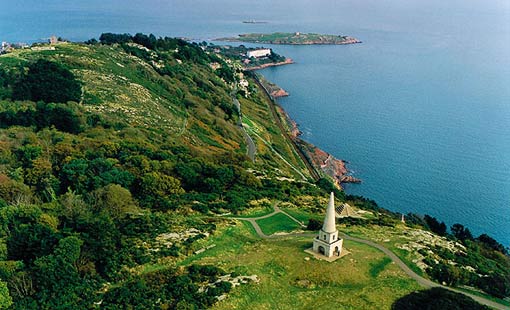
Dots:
pixel 421 280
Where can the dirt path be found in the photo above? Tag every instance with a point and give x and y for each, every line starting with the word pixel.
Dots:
pixel 252 149
pixel 421 280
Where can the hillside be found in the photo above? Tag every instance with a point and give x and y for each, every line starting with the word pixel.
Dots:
pixel 150 140
pixel 122 165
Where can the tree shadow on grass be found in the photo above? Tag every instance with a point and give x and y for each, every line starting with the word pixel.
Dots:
pixel 436 299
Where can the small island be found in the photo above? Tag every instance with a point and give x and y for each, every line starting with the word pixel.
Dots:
pixel 252 21
pixel 295 38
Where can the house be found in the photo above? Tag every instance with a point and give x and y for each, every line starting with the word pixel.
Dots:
pixel 264 52
pixel 53 40
pixel 4 47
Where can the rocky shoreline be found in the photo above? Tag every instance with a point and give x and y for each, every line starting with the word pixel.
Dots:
pixel 319 159
pixel 272 89
pixel 287 61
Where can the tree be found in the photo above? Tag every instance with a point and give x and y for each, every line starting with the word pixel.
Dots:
pixel 4 83
pixel 460 232
pixel 73 207
pixel 435 226
pixel 29 241
pixel 5 298
pixel 491 243
pixel 65 117
pixel 314 224
pixel 112 38
pixel 496 285
pixel 4 78
pixel 40 176
pixel 73 175
pixel 445 273
pixel 47 81
pixel 60 285
pixel 160 185
pixel 113 199
pixel 14 192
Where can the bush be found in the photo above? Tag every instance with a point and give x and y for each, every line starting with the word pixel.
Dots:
pixel 314 224
pixel 496 285
pixel 491 243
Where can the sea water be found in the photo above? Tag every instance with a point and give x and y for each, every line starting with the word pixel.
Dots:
pixel 420 109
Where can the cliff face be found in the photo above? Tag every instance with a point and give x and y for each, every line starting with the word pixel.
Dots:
pixel 327 163
pixel 279 93
pixel 274 90
pixel 319 159
pixel 291 124
pixel 287 61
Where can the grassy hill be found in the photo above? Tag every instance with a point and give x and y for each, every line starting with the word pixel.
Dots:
pixel 148 145
pixel 117 159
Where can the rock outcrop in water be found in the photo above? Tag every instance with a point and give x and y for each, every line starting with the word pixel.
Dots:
pixel 328 164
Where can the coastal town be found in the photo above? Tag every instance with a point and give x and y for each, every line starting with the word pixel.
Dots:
pixel 6 47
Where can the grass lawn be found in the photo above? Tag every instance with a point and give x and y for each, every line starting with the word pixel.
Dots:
pixel 302 215
pixel 363 279
pixel 255 212
pixel 276 223
pixel 389 237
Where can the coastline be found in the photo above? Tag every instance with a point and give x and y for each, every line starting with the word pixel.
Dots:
pixel 287 61
pixel 319 162
pixel 323 161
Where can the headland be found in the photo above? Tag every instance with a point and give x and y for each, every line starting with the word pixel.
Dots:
pixel 293 38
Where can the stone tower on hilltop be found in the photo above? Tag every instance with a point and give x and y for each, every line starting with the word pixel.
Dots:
pixel 327 242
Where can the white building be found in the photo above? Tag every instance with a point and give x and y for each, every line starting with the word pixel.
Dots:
pixel 327 242
pixel 53 40
pixel 4 47
pixel 259 53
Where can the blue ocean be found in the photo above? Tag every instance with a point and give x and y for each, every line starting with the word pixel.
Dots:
pixel 420 109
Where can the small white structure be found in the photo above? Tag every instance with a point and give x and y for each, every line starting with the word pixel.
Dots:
pixel 327 242
pixel 259 53
pixel 53 40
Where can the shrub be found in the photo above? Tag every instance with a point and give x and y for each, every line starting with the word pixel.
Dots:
pixel 313 224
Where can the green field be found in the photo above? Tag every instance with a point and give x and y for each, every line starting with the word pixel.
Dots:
pixel 302 215
pixel 277 223
pixel 288 281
